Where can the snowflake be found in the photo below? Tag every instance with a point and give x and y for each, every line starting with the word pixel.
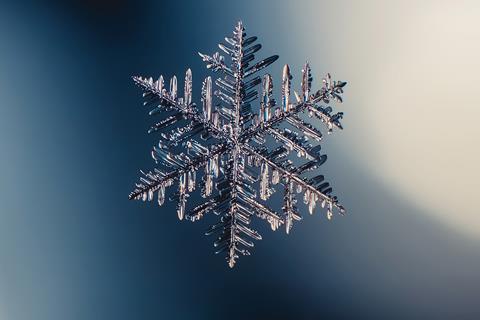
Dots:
pixel 227 142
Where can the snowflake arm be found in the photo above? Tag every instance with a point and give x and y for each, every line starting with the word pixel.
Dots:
pixel 184 168
pixel 313 186
pixel 156 94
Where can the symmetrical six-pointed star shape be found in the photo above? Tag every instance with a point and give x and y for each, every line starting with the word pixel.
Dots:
pixel 237 150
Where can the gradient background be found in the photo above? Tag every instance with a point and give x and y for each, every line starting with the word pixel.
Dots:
pixel 73 136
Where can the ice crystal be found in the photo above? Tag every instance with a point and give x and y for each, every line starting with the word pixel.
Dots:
pixel 225 141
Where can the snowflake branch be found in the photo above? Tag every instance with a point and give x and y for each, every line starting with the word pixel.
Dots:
pixel 331 120
pixel 306 128
pixel 289 208
pixel 154 180
pixel 294 178
pixel 265 213
pixel 216 63
pixel 292 142
pixel 169 100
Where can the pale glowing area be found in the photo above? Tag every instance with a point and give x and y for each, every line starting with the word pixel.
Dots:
pixel 414 73
pixel 429 111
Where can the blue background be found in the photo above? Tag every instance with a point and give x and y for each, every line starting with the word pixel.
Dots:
pixel 73 137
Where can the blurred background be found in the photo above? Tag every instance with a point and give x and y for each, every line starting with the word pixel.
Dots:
pixel 73 137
